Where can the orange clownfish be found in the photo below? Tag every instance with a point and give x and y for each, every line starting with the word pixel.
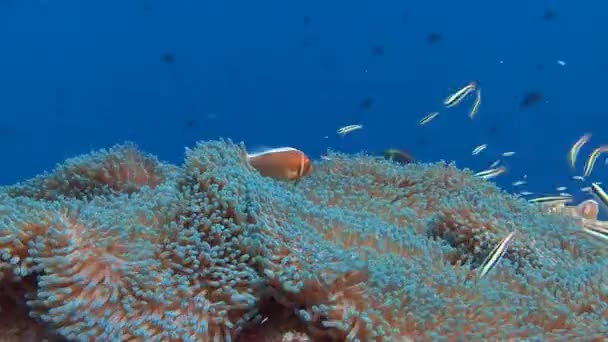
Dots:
pixel 284 163
pixel 587 209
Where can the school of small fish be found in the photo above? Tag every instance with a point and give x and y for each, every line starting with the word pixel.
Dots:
pixel 290 164
pixel 456 98
pixel 588 210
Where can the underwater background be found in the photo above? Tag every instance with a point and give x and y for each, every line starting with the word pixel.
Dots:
pixel 102 240
pixel 82 75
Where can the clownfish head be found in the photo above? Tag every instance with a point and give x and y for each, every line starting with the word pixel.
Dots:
pixel 588 209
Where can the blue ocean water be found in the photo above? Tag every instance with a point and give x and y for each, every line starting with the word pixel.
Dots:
pixel 82 75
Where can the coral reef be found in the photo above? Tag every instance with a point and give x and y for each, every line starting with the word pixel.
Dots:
pixel 116 245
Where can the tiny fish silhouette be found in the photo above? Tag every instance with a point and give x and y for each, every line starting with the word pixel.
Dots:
pixel 433 38
pixel 366 103
pixel 531 98
pixel 492 131
pixel 549 14
pixel 168 58
pixel 378 50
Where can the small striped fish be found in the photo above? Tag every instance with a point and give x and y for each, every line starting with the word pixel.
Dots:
pixel 496 254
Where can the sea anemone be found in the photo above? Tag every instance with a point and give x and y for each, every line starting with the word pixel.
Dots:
pixel 116 245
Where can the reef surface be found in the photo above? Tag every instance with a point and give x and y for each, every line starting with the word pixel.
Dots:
pixel 116 245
